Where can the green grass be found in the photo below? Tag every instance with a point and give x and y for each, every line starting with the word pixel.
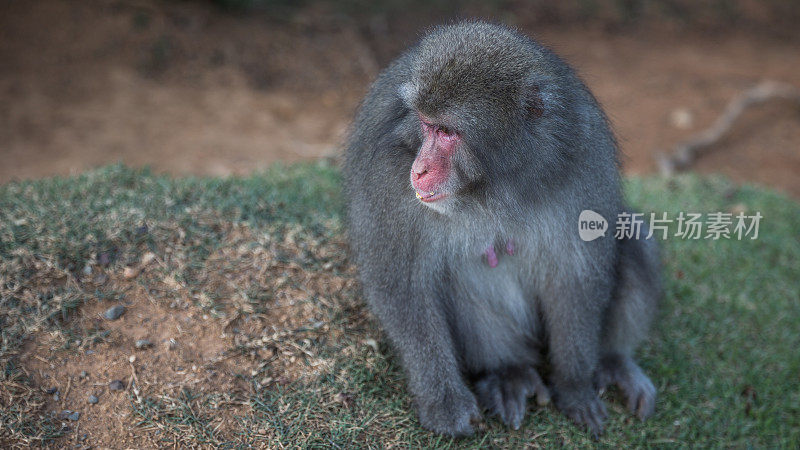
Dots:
pixel 723 355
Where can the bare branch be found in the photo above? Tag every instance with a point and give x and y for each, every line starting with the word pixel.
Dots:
pixel 685 154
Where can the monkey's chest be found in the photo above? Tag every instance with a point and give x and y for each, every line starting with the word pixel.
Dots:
pixel 495 311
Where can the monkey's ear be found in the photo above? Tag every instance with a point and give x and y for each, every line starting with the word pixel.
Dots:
pixel 532 102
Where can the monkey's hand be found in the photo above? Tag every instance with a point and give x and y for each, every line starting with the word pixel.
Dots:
pixel 453 411
pixel 583 407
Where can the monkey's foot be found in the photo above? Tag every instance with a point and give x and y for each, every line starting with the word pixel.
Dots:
pixel 584 408
pixel 505 392
pixel 636 387
pixel 452 412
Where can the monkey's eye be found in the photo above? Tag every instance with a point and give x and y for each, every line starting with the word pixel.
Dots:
pixel 446 134
pixel 438 129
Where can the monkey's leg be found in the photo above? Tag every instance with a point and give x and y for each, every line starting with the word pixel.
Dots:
pixel 628 319
pixel 505 392
pixel 572 311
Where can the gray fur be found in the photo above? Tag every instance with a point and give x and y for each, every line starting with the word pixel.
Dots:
pixel 537 150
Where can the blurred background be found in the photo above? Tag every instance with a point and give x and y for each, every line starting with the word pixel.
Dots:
pixel 220 87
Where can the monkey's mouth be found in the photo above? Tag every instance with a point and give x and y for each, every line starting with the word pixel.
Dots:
pixel 429 197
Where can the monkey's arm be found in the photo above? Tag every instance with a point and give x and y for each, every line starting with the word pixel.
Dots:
pixel 420 333
pixel 404 281
pixel 403 278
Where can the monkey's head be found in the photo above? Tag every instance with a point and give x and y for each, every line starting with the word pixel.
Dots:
pixel 479 95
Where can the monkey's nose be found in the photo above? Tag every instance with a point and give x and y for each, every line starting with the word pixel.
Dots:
pixel 419 171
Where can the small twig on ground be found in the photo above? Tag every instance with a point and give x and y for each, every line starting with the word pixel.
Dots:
pixel 133 383
pixel 685 154
pixel 66 392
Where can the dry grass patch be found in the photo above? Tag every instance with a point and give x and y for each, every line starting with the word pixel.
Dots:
pixel 254 315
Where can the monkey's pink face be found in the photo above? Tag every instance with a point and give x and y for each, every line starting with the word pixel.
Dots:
pixel 433 166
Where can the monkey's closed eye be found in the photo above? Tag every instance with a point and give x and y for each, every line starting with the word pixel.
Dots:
pixel 445 130
pixel 438 128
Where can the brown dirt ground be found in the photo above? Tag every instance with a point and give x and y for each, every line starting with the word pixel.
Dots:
pixel 187 90
pixel 191 348
pixel 197 361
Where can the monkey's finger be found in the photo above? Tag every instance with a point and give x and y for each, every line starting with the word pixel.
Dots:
pixel 489 395
pixel 640 395
pixel 462 428
pixel 514 412
pixel 542 395
pixel 598 417
pixel 591 416
pixel 645 408
pixel 537 388
pixel 476 419
pixel 594 424
pixel 645 405
pixel 581 417
pixel 514 403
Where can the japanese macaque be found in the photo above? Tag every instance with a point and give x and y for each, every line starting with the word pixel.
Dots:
pixel 467 167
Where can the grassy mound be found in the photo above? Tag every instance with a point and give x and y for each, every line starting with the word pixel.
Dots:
pixel 259 264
